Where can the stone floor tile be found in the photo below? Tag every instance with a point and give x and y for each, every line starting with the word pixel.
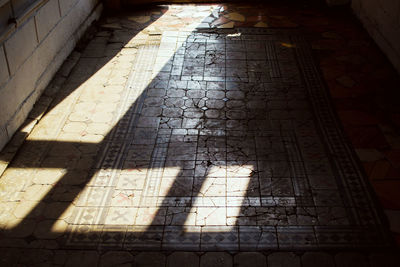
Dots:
pixel 150 259
pixel 36 192
pixel 293 236
pixel 220 238
pixel 387 193
pixel 228 25
pixel 310 259
pixel 367 137
pixel 10 256
pixel 150 215
pixel 345 259
pixel 143 237
pixel 50 229
pixel 60 257
pixel 384 259
pixel 215 142
pixel 182 237
pixel 24 209
pixel 283 259
pixel 250 259
pixel 58 210
pixel 261 24
pixel 84 235
pixel 184 259
pixel 367 155
pixel 115 258
pixel 82 258
pixel 112 237
pixel 38 257
pixel 20 228
pixel 221 259
pixel 75 127
pixel 394 220
pixel 211 216
pixel 254 238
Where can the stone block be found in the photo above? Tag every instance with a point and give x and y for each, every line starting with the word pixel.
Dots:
pixel 53 67
pixel 19 94
pixel 14 93
pixel 60 42
pixel 3 137
pixel 387 18
pixel 356 6
pixel 47 16
pixel 20 6
pixel 4 75
pixel 5 15
pixel 13 124
pixel 52 45
pixel 392 10
pixel 21 45
pixel 65 6
pixel 381 20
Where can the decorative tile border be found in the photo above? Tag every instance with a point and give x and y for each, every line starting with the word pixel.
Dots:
pixel 312 142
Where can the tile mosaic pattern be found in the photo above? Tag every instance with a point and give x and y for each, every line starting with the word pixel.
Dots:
pixel 228 143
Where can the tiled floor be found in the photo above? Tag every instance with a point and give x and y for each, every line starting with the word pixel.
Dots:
pixel 207 128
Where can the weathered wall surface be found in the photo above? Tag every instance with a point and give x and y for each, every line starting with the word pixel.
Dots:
pixel 34 41
pixel 382 21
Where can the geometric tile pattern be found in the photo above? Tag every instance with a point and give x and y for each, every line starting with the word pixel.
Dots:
pixel 230 142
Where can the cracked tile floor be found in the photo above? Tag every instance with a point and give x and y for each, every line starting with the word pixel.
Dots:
pixel 209 128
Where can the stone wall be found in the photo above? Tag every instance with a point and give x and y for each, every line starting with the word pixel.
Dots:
pixel 382 21
pixel 35 39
